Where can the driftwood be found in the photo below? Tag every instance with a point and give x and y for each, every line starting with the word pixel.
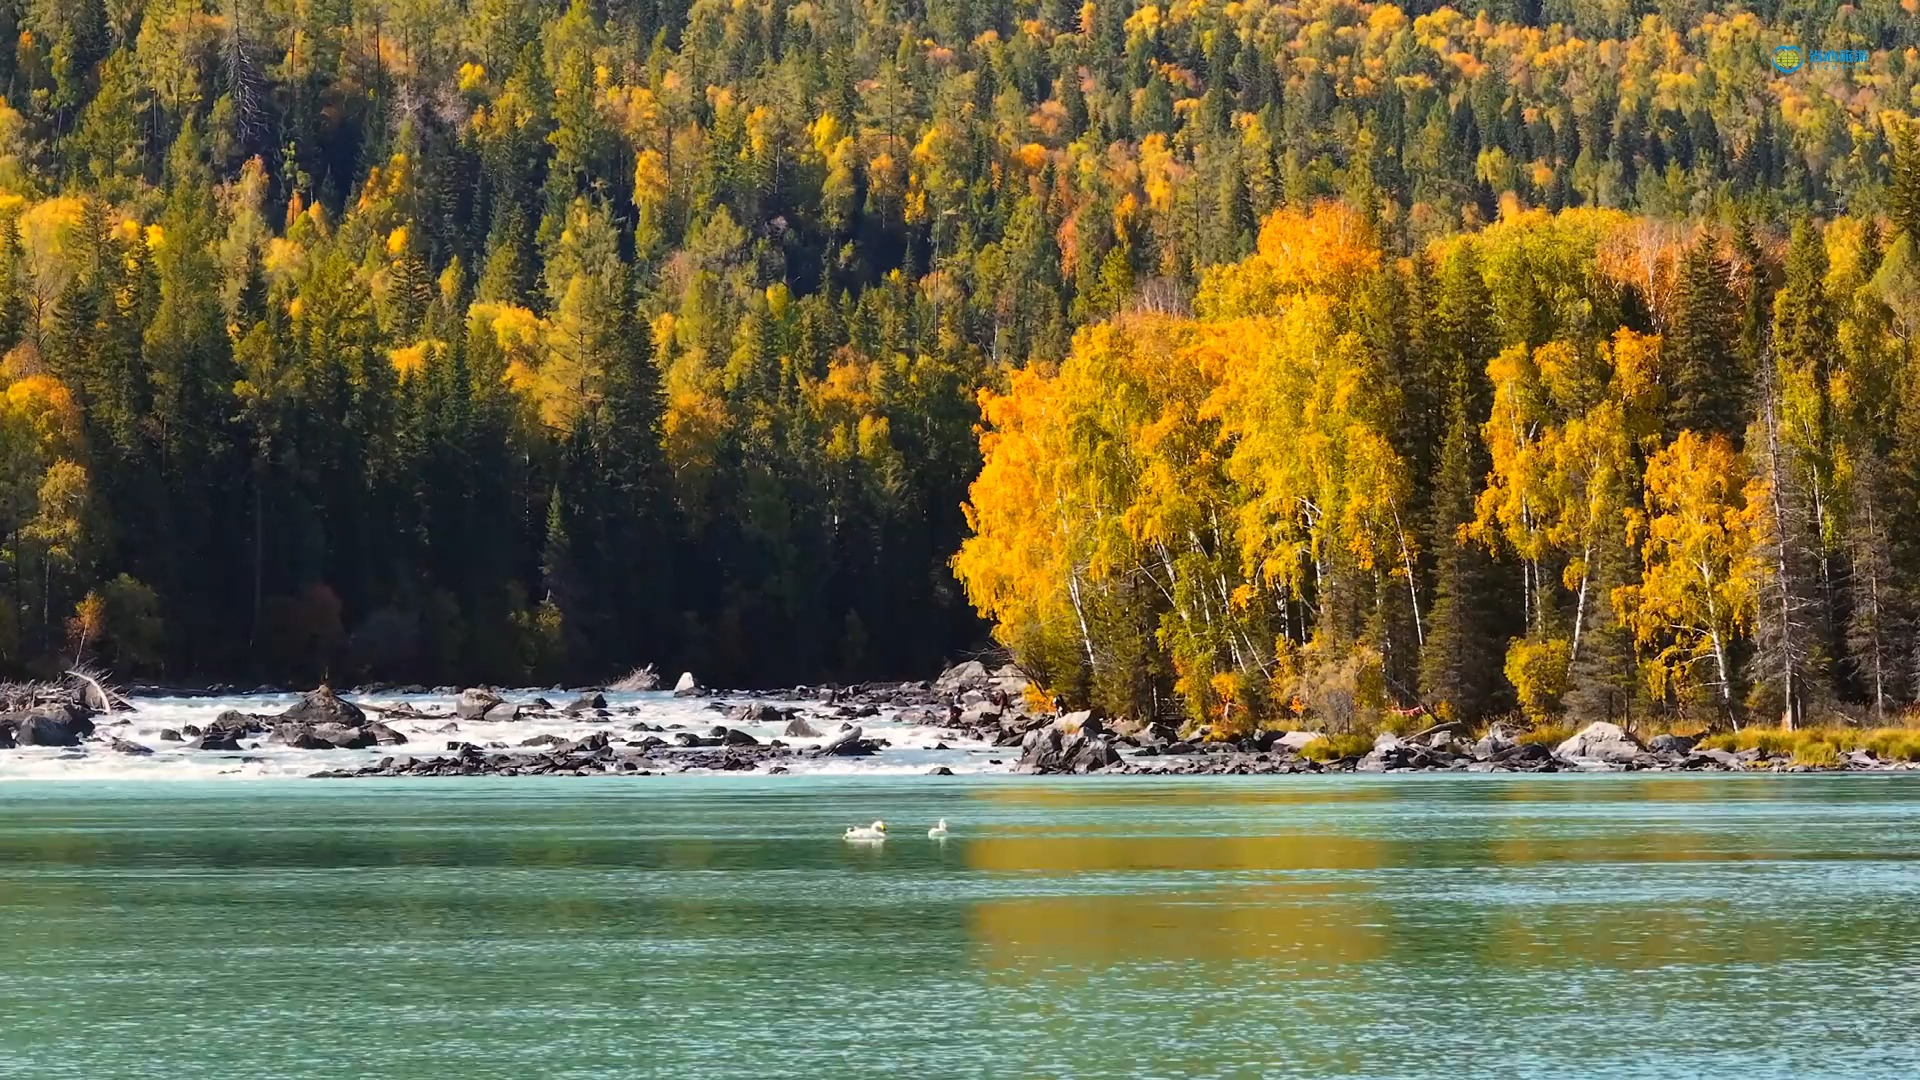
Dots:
pixel 95 694
pixel 1454 726
pixel 840 742
pixel 640 679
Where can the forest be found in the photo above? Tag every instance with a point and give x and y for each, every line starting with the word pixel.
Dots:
pixel 1228 360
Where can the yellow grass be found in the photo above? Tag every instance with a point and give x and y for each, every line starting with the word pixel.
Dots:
pixel 1823 745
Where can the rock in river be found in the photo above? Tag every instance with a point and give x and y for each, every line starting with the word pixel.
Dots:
pixel 49 727
pixel 755 712
pixel 323 706
pixel 474 703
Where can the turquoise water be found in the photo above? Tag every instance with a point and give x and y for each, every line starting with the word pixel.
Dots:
pixel 1391 927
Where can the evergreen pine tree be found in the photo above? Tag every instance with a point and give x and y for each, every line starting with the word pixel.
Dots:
pixel 1708 393
pixel 1460 662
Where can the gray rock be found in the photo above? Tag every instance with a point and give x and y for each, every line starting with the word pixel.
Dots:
pixel 1295 741
pixel 216 739
pixel 798 728
pixel 688 686
pixel 51 727
pixel 1494 743
pixel 585 703
pixel 169 735
pixel 846 743
pixel 1601 741
pixel 1672 744
pixel 592 742
pixel 504 712
pixel 124 747
pixel 384 735
pixel 323 706
pixel 343 736
pixel 755 712
pixel 736 737
pixel 474 703
pixel 1048 750
pixel 964 676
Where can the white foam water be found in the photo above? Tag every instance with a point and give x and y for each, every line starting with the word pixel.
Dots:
pixel 910 749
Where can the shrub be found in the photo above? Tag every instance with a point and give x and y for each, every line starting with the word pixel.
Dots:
pixel 1816 752
pixel 1336 747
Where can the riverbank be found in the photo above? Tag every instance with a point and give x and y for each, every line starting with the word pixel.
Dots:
pixel 967 721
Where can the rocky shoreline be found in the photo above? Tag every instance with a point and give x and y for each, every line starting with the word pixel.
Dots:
pixel 990 712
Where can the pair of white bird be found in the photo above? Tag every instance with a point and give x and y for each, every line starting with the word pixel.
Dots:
pixel 878 831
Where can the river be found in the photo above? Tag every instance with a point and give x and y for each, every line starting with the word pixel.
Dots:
pixel 910 748
pixel 685 926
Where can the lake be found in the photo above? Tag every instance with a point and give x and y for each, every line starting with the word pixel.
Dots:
pixel 1562 926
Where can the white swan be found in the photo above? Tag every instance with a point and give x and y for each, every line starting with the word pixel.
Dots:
pixel 875 831
pixel 939 831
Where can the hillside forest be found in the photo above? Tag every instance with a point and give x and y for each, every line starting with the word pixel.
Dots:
pixel 1229 360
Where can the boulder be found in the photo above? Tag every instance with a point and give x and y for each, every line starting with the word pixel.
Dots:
pixel 239 723
pixel 591 743
pixel 323 706
pixel 585 703
pixel 798 728
pixel 1295 741
pixel 169 735
pixel 474 703
pixel 51 727
pixel 979 716
pixel 1084 720
pixel 343 736
pixel 1158 733
pixel 300 737
pixel 216 738
pixel 846 743
pixel 1047 751
pixel 1389 752
pixel 688 686
pixel 1601 741
pixel 1523 753
pixel 1494 743
pixel 543 740
pixel 384 735
pixel 122 746
pixel 504 712
pixel 1714 759
pixel 970 675
pixel 755 712
pixel 1672 744
pixel 736 737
